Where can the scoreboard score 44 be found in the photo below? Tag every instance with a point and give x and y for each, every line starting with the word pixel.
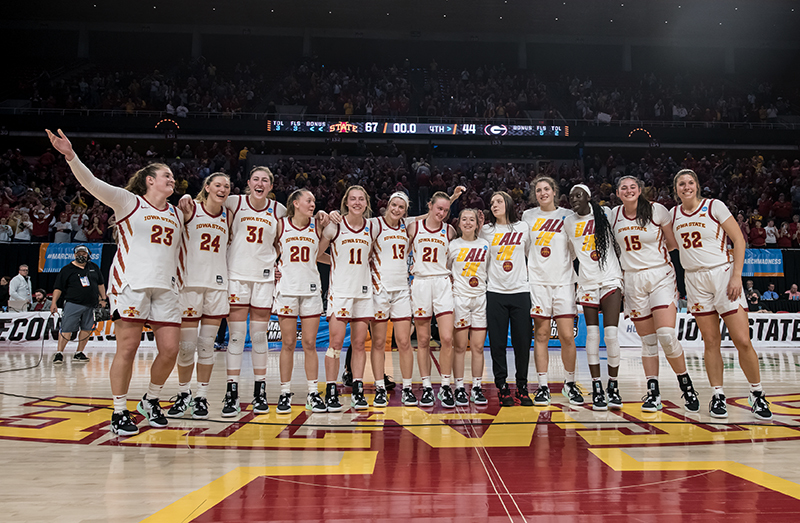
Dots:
pixel 416 128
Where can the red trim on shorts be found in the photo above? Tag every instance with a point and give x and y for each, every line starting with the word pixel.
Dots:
pixel 261 308
pixel 239 304
pixel 365 318
pixel 657 307
pixel 730 312
pixel 206 316
pixel 443 313
pixel 478 328
pixel 132 320
pixel 565 316
pixel 592 305
pixel 404 318
pixel 163 323
pixel 703 313
pixel 608 293
pixel 462 328
pixel 642 318
pixel 384 320
pixel 540 317
pixel 426 318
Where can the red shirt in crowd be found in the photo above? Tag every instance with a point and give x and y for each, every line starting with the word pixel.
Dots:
pixel 758 236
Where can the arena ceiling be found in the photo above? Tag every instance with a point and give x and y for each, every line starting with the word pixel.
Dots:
pixel 769 21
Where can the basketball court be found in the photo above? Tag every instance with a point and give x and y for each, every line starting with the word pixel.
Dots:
pixel 556 463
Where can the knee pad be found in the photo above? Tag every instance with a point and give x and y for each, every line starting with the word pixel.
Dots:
pixel 205 350
pixel 593 344
pixel 333 353
pixel 233 357
pixel 186 353
pixel 612 345
pixel 258 342
pixel 649 346
pixel 669 342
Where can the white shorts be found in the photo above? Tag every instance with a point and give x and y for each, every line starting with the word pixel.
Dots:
pixel 258 295
pixel 593 297
pixel 470 312
pixel 553 301
pixel 392 304
pixel 198 302
pixel 153 306
pixel 707 292
pixel 431 295
pixel 350 309
pixel 294 306
pixel 649 290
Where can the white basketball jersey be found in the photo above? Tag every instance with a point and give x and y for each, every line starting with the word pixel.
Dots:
pixel 549 254
pixel 469 265
pixel 641 247
pixel 389 265
pixel 298 263
pixel 202 258
pixel 508 270
pixel 580 230
pixel 147 248
pixel 430 250
pixel 350 250
pixel 701 241
pixel 251 254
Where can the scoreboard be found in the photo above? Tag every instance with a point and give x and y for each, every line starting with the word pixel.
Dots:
pixel 416 128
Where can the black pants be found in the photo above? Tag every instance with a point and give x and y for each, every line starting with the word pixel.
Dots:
pixel 500 309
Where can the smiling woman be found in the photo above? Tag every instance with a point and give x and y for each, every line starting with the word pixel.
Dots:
pixel 150 229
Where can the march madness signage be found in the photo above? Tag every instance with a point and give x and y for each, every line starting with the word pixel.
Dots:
pixel 763 262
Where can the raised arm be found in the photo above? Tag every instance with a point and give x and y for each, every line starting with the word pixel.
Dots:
pixel 123 202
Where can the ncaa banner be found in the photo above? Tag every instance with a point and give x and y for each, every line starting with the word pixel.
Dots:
pixel 54 256
pixel 762 262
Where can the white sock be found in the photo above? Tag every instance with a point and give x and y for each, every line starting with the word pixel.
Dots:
pixel 570 377
pixel 286 387
pixel 542 379
pixel 459 383
pixel 718 391
pixel 597 378
pixel 312 386
pixel 120 403
pixel 202 390
pixel 261 377
pixel 756 387
pixel 154 391
pixel 183 387
pixel 406 383
pixel 380 384
pixel 476 381
pixel 445 380
pixel 426 382
pixel 233 379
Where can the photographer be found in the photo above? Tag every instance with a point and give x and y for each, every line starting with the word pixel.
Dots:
pixel 80 282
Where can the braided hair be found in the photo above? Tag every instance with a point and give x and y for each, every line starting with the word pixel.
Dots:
pixel 603 237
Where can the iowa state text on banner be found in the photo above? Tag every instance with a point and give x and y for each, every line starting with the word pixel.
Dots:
pixel 767 330
pixel 763 262
pixel 54 256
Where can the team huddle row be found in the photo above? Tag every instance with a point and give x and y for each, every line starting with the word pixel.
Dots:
pixel 183 269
